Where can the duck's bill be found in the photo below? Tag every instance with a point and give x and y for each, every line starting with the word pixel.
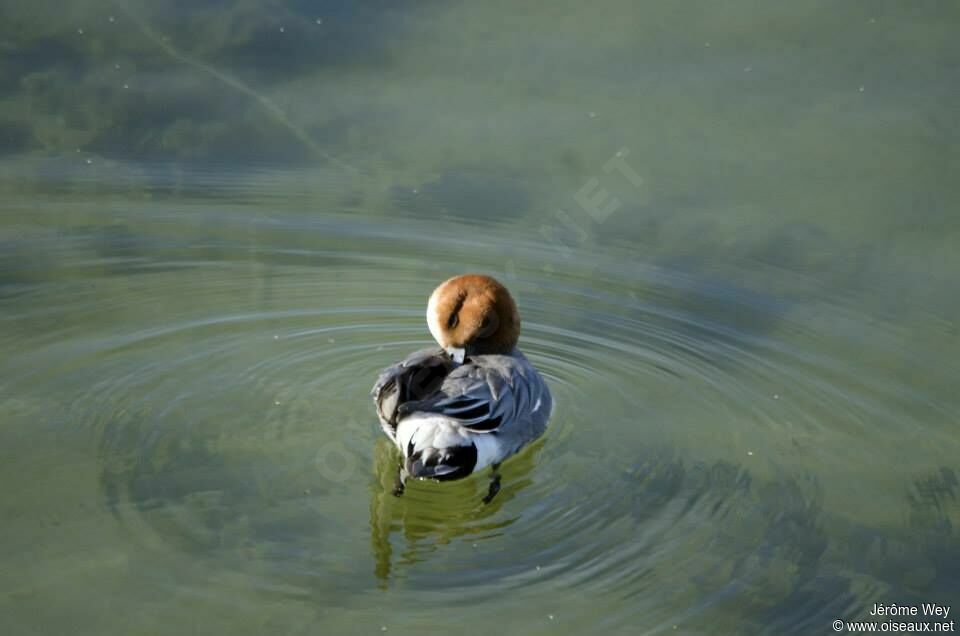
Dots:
pixel 457 353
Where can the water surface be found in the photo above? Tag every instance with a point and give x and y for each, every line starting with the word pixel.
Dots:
pixel 732 233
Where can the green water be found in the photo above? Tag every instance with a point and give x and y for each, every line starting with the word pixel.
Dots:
pixel 219 221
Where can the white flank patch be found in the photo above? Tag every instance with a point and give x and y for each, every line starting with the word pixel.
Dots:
pixel 405 430
pixel 430 431
pixel 439 432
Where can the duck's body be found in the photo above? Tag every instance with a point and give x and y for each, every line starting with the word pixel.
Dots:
pixel 474 401
pixel 450 419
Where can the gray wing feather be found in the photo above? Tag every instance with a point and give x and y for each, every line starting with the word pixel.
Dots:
pixel 488 394
pixel 413 378
pixel 484 394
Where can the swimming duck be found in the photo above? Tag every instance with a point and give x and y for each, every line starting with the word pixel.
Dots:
pixel 473 401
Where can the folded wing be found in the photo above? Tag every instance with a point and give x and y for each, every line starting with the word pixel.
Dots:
pixel 479 395
pixel 412 379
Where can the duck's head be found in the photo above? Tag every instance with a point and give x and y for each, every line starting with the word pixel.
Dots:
pixel 474 315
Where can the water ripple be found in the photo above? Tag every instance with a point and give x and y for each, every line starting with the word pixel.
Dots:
pixel 226 389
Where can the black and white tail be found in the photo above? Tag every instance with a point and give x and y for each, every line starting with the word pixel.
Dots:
pixel 436 448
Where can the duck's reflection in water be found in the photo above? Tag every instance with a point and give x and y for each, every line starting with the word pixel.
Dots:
pixel 431 514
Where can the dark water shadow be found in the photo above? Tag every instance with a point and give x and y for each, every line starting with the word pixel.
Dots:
pixel 163 86
pixel 786 565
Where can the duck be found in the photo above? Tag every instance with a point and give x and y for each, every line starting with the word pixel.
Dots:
pixel 473 400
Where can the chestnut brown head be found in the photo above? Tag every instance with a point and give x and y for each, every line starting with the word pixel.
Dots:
pixel 473 314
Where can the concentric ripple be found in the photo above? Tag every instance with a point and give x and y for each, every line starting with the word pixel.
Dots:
pixel 704 453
